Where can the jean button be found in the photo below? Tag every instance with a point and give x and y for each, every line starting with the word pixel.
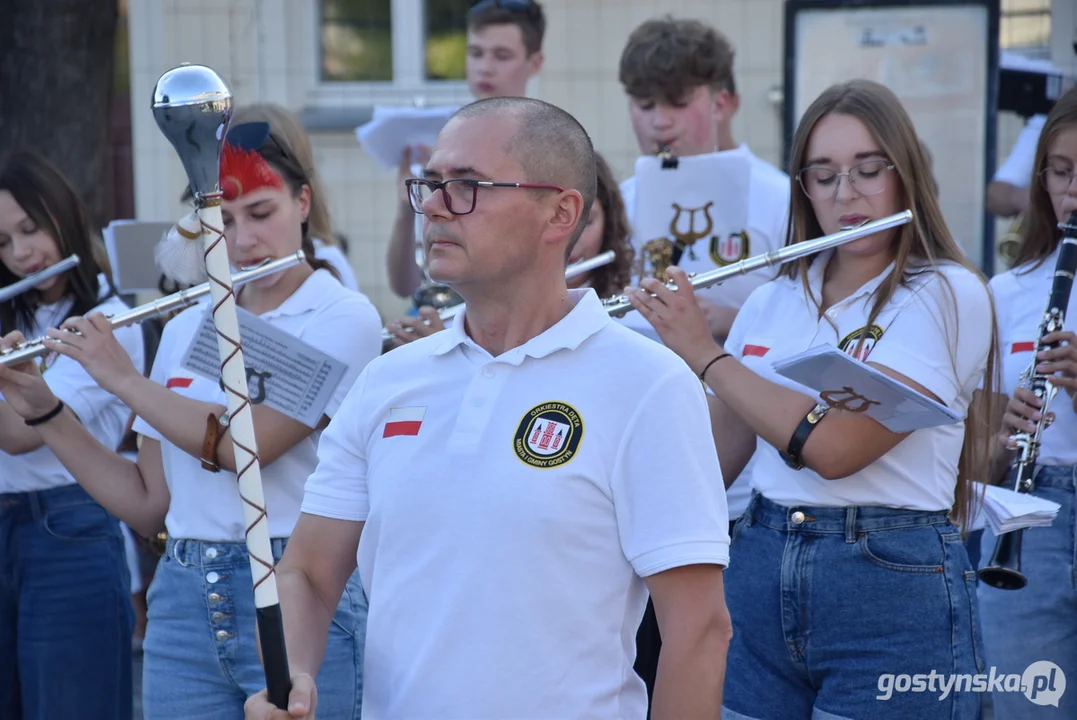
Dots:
pixel 798 517
pixel 214 597
pixel 217 616
pixel 211 553
pixel 212 577
pixel 222 635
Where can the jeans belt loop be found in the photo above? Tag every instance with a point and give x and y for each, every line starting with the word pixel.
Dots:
pixel 850 524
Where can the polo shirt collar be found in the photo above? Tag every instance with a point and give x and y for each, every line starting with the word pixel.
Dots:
pixel 585 319
pixel 818 269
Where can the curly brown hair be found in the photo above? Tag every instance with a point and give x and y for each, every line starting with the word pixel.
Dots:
pixel 611 279
pixel 665 59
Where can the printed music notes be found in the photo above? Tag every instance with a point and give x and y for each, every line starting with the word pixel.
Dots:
pixel 393 128
pixel 848 384
pixel 283 372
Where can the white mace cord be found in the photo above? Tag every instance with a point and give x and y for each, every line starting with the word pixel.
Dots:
pixel 240 419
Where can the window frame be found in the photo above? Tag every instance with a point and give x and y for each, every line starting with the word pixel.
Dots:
pixel 1032 51
pixel 409 83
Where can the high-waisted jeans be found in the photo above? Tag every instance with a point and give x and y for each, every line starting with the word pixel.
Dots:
pixel 65 609
pixel 837 612
pixel 200 657
pixel 1038 623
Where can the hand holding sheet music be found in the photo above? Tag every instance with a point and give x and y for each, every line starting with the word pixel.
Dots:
pixel 1005 510
pixel 394 128
pixel 848 384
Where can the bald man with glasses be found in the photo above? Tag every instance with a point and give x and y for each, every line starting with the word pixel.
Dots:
pixel 512 487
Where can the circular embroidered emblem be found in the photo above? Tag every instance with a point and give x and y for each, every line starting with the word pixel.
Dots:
pixel 849 344
pixel 549 435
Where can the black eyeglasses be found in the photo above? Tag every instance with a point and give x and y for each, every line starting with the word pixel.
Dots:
pixel 459 193
pixel 511 5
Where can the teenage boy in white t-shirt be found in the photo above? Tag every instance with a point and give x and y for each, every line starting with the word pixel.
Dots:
pixel 504 51
pixel 519 489
pixel 678 75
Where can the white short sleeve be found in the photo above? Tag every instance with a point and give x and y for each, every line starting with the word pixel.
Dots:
pixel 1018 168
pixel 670 503
pixel 746 318
pixel 162 365
pixel 338 487
pixel 71 383
pixel 941 338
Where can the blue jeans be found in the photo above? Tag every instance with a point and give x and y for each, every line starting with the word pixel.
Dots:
pixel 835 608
pixel 1039 621
pixel 65 609
pixel 200 658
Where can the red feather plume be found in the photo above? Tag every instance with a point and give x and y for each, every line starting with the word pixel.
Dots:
pixel 244 171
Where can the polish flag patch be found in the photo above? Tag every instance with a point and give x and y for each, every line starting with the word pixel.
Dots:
pixel 755 351
pixel 404 421
pixel 178 382
pixel 1019 347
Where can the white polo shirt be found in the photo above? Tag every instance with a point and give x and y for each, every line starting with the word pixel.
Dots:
pixel 206 505
pixel 102 413
pixel 335 256
pixel 1019 165
pixel 768 208
pixel 512 506
pixel 1020 300
pixel 922 334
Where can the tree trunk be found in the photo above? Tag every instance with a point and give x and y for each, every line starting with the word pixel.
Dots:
pixel 56 64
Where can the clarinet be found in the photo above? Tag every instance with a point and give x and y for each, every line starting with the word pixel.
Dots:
pixel 1004 569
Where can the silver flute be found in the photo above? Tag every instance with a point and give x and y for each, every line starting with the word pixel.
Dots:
pixel 176 301
pixel 573 270
pixel 620 305
pixel 18 288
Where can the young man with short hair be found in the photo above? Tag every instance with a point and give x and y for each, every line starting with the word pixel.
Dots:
pixel 504 51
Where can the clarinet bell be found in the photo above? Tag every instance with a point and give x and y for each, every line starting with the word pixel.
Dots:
pixel 1004 569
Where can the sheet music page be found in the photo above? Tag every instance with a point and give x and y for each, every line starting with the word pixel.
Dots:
pixel 394 128
pixel 130 245
pixel 848 384
pixel 283 372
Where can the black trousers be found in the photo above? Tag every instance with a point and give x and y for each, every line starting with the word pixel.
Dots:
pixel 649 643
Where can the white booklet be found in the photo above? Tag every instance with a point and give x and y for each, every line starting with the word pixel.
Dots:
pixel 393 128
pixel 1006 510
pixel 283 372
pixel 696 210
pixel 851 385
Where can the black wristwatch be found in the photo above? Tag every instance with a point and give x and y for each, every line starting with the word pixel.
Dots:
pixel 796 443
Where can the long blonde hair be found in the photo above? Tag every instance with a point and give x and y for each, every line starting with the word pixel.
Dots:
pixel 287 125
pixel 926 240
pixel 1040 233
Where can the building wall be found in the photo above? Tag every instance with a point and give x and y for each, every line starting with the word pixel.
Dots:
pixel 267 51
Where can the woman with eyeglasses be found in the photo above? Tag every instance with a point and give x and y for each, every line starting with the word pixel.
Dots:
pixel 200 654
pixel 1039 621
pixel 65 611
pixel 607 229
pixel 848 566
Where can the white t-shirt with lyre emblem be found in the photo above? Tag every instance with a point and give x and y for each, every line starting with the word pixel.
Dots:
pixel 513 506
pixel 936 330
